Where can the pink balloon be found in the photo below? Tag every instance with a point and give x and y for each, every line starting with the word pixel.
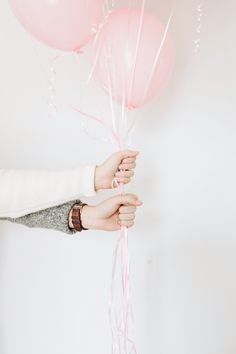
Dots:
pixel 127 60
pixel 62 24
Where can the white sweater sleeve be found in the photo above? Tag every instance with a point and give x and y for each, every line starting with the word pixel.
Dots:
pixel 23 192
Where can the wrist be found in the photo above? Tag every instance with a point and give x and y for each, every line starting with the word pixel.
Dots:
pixel 75 219
pixel 98 179
pixel 71 226
pixel 87 219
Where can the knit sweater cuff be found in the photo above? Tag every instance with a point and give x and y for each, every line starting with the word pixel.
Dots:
pixel 54 218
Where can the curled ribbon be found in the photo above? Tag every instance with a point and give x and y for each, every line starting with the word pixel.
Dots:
pixel 120 316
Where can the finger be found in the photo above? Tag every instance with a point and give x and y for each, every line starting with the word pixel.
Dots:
pixel 111 205
pixel 121 155
pixel 126 199
pixel 129 153
pixel 126 216
pixel 124 180
pixel 124 174
pixel 129 160
pixel 127 166
pixel 127 209
pixel 126 223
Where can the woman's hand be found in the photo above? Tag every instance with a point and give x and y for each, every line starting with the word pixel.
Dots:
pixel 120 165
pixel 111 214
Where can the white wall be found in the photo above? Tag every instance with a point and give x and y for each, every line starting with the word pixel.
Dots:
pixel 54 289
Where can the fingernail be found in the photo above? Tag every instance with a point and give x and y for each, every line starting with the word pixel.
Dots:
pixel 138 202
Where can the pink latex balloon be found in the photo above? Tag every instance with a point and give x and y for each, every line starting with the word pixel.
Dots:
pixel 127 60
pixel 63 24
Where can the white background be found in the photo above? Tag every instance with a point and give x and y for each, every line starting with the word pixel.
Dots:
pixel 55 289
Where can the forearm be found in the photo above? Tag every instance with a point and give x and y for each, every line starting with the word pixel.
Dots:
pixel 109 215
pixel 54 218
pixel 25 192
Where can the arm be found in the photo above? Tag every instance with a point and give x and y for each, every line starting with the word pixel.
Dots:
pixel 109 215
pixel 54 218
pixel 24 192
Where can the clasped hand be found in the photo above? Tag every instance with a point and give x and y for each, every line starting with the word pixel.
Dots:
pixel 119 210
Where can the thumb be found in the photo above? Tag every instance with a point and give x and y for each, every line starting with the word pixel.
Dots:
pixel 121 155
pixel 126 199
pixel 111 205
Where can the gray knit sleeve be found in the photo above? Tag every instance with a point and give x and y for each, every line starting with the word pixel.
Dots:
pixel 55 218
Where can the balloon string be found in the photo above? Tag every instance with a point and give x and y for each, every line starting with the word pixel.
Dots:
pixel 98 120
pixel 51 76
pixel 131 87
pixel 111 90
pixel 120 315
pixel 155 63
pixel 52 112
pixel 86 115
pixel 84 129
pixel 119 318
pixel 197 41
pixel 107 10
pixel 157 57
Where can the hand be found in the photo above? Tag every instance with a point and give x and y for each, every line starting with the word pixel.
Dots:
pixel 112 168
pixel 111 214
